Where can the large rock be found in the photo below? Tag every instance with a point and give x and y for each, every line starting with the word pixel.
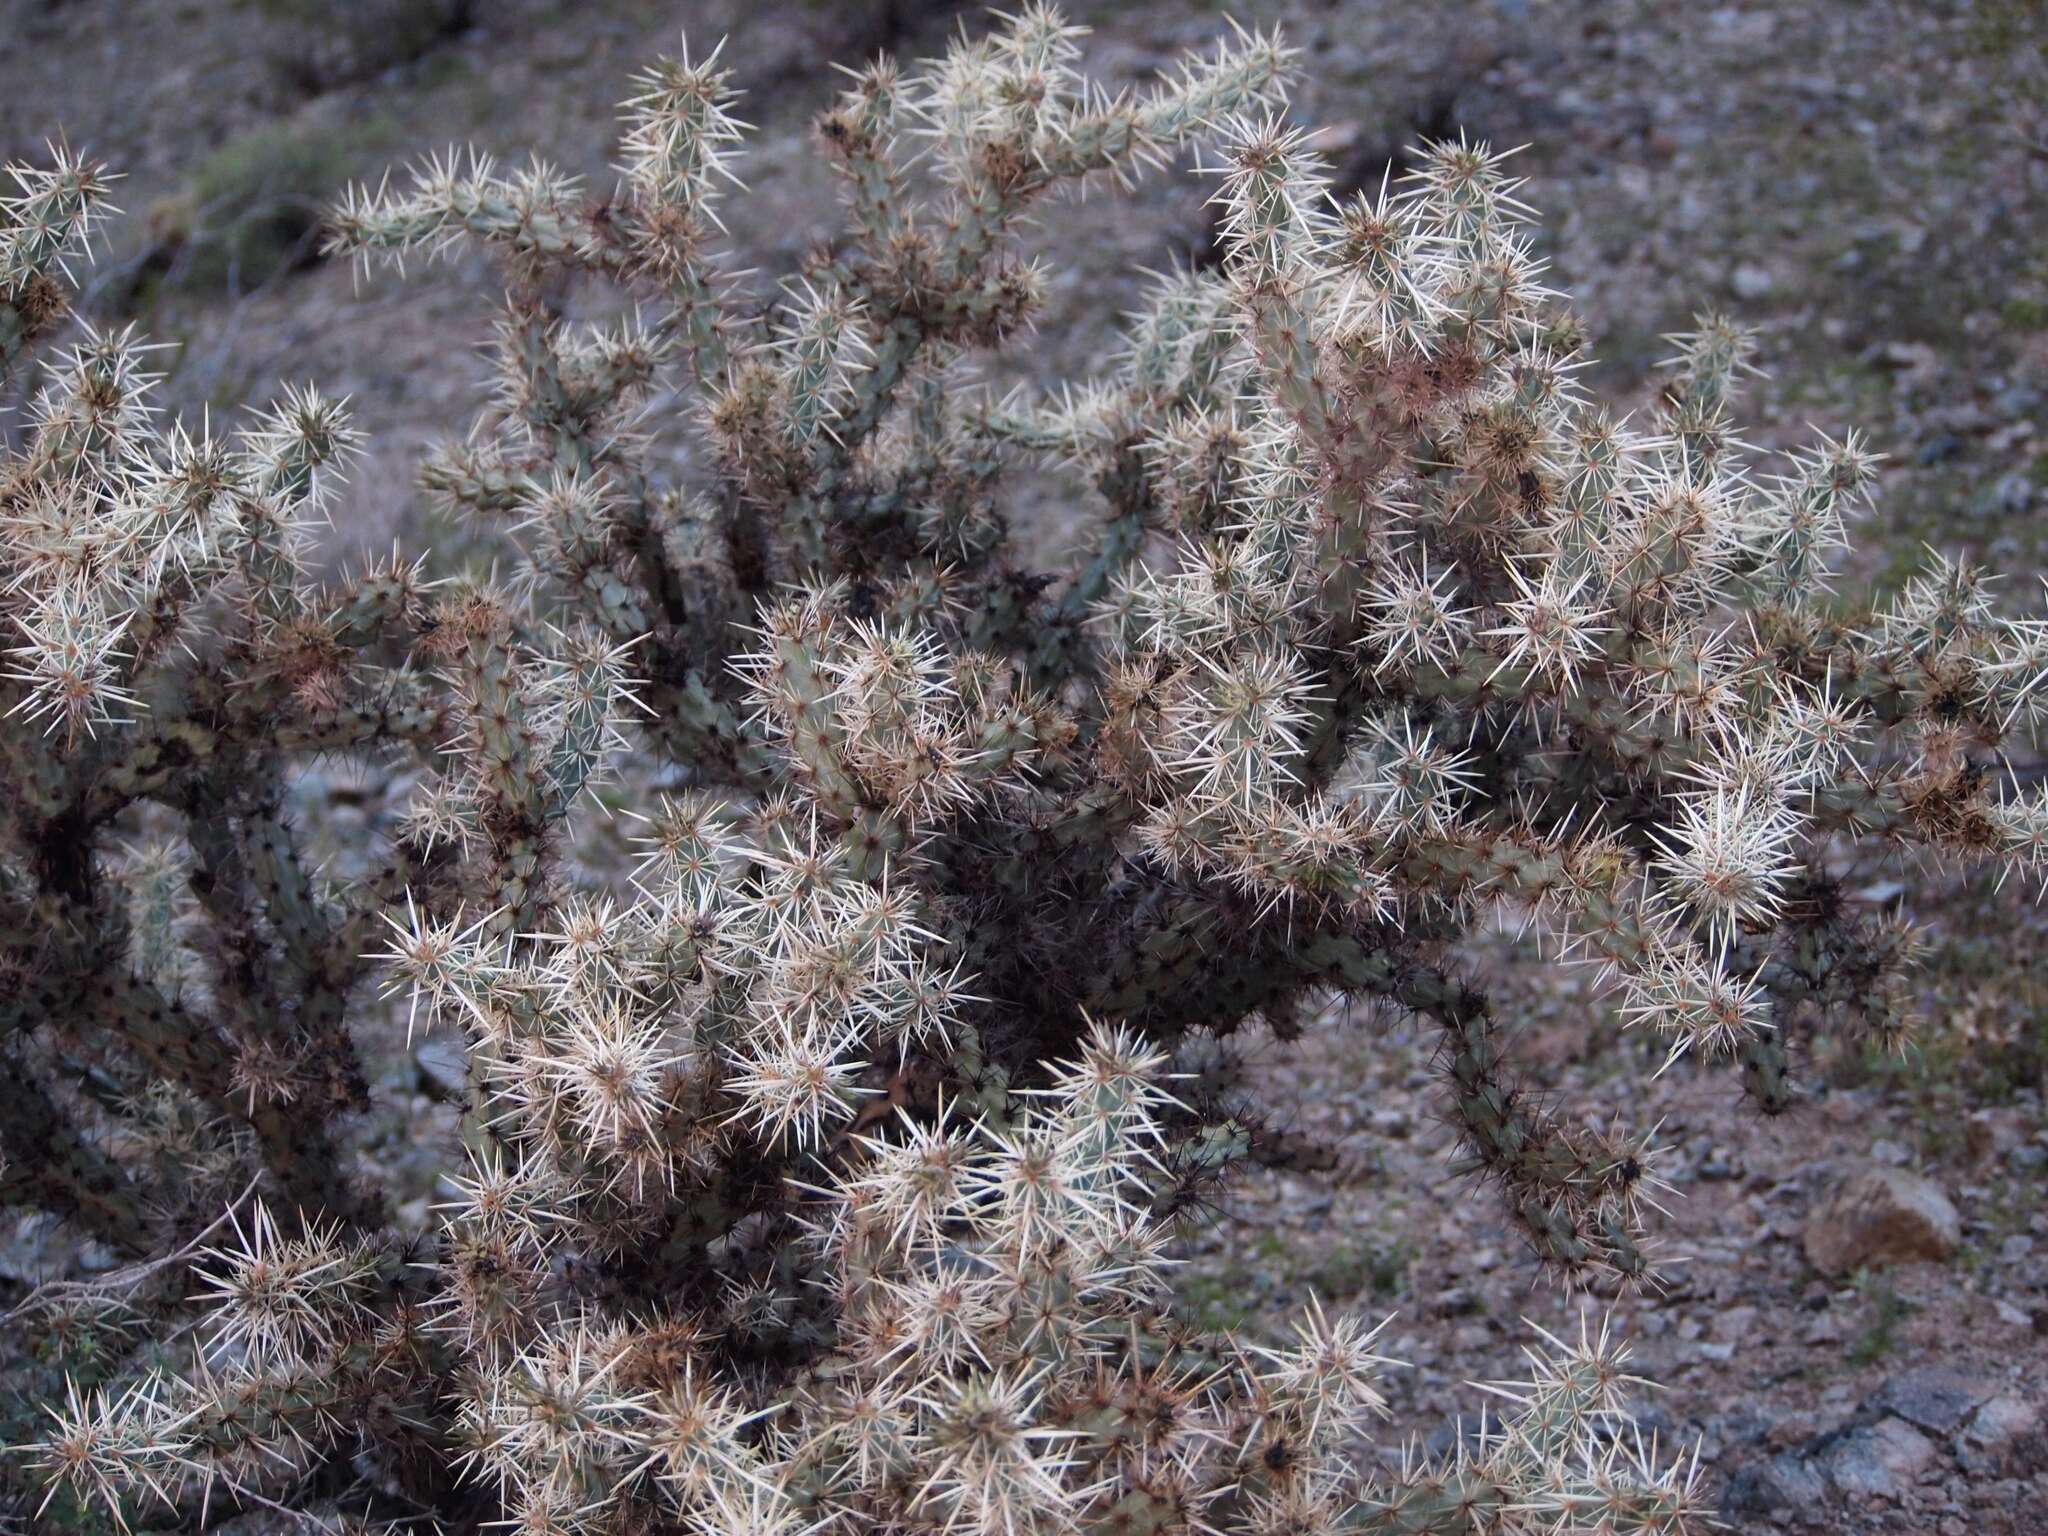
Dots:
pixel 2005 1439
pixel 1878 1217
pixel 443 1060
pixel 1784 1489
pixel 1882 1460
pixel 1935 1398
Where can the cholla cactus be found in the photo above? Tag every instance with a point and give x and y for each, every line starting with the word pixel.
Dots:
pixel 981 1309
pixel 164 651
pixel 826 1178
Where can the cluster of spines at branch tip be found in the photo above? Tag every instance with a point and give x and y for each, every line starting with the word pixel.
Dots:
pixel 825 1172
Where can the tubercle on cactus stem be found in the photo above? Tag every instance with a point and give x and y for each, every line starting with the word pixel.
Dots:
pixel 826 1178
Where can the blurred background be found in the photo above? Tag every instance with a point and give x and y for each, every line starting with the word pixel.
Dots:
pixel 1859 180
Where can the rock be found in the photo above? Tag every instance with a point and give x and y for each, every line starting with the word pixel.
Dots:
pixel 1334 140
pixel 1394 1124
pixel 1879 1217
pixel 1470 1338
pixel 1553 1045
pixel 1787 1484
pixel 2004 1439
pixel 1749 281
pixel 1907 357
pixel 1940 448
pixel 1733 1324
pixel 34 1249
pixel 1932 1397
pixel 1714 1434
pixel 2011 1315
pixel 1846 1107
pixel 1468 1430
pixel 1963 417
pixel 1457 1301
pixel 1646 1420
pixel 1789 1431
pixel 444 1066
pixel 2013 494
pixel 1824 1329
pixel 1881 1460
pixel 2016 402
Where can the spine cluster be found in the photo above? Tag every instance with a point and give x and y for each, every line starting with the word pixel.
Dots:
pixel 825 1175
